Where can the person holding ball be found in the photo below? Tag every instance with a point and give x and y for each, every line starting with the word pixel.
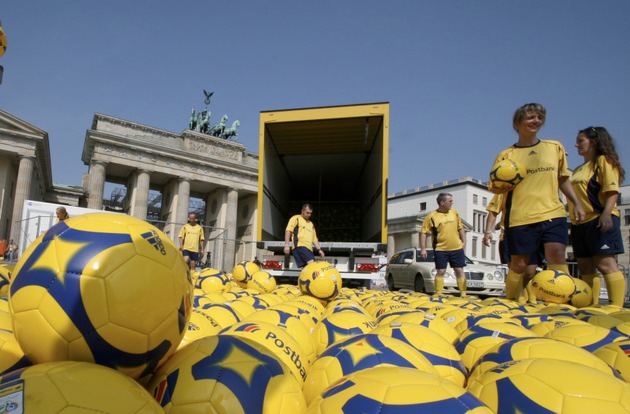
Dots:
pixel 534 213
pixel 597 239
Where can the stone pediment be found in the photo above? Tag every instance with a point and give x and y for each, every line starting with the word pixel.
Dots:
pixel 13 125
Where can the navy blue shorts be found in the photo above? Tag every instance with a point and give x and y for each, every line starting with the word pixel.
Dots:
pixel 455 258
pixel 588 240
pixel 523 240
pixel 536 257
pixel 194 256
pixel 302 256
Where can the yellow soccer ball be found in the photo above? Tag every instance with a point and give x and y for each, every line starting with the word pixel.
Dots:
pixel 474 342
pixel 5 279
pixel 583 295
pixel 101 287
pixel 226 374
pixel 262 282
pixel 507 172
pixel 74 387
pixel 213 281
pixel 441 353
pixel 278 341
pixel 539 348
pixel 553 286
pixel 341 325
pixel 616 354
pixel 320 280
pixel 395 390
pixel 357 353
pixel 11 355
pixel 587 336
pixel 550 386
pixel 243 271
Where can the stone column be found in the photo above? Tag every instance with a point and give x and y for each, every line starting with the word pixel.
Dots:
pixel 415 239
pixel 142 194
pixel 183 200
pixel 22 193
pixel 96 184
pixel 230 224
pixel 391 245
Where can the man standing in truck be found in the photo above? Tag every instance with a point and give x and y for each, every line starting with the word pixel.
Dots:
pixel 448 237
pixel 301 232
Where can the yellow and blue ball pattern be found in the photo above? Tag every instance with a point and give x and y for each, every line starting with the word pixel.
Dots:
pixel 213 281
pixel 320 280
pixel 73 387
pixel 358 353
pixel 550 386
pixel 226 374
pixel 553 286
pixel 104 288
pixel 395 390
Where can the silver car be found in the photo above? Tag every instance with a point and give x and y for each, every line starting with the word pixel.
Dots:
pixel 408 270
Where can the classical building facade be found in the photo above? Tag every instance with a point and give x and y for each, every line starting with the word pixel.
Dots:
pixel 25 173
pixel 178 166
pixel 141 159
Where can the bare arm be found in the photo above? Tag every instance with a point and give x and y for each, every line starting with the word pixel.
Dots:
pixel 317 246
pixel 605 219
pixel 462 237
pixel 567 190
pixel 287 242
pixel 491 219
pixel 423 245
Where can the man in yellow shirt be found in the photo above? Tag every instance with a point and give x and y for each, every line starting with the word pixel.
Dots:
pixel 301 231
pixel 534 213
pixel 191 240
pixel 449 239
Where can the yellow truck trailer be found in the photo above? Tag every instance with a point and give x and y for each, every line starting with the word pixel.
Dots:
pixel 335 158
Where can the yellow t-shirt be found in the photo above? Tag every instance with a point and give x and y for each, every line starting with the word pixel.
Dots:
pixel 590 181
pixel 302 232
pixel 444 229
pixel 536 198
pixel 193 236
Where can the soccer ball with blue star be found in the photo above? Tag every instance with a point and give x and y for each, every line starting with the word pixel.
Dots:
pixel 226 374
pixel 104 288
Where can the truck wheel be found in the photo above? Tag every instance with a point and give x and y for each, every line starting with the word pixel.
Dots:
pixel 390 283
pixel 418 285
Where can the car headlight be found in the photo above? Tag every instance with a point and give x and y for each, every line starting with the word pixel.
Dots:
pixel 498 275
pixel 433 272
pixel 489 276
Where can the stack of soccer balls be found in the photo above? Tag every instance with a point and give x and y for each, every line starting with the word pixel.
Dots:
pixel 106 303
pixel 553 286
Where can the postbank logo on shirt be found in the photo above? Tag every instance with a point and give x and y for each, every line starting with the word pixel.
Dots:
pixel 540 169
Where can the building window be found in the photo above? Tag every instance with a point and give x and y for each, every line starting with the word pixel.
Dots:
pixel 474 246
pixel 475 199
pixel 479 221
pixel 627 217
pixel 484 201
pixel 493 250
pixel 423 206
pixel 483 251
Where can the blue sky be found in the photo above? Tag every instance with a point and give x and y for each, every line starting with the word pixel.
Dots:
pixel 453 71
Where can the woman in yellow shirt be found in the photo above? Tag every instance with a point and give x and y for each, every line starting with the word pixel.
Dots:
pixel 597 239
